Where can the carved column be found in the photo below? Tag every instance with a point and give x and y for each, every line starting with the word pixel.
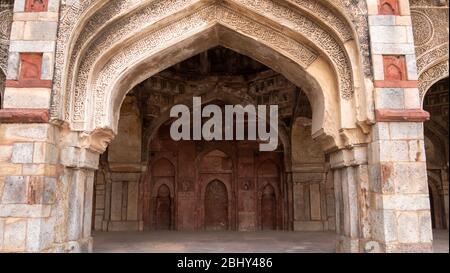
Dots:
pixel 79 157
pixel 350 176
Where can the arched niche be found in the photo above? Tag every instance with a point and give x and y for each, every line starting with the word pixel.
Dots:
pixel 161 211
pixel 216 206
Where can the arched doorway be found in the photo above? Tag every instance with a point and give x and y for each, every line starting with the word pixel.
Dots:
pixel 163 208
pixel 216 206
pixel 321 60
pixel 436 102
pixel 162 183
pixel 269 208
pixel 268 183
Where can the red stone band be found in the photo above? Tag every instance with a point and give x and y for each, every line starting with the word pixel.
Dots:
pixel 29 83
pixel 24 115
pixel 395 84
pixel 410 115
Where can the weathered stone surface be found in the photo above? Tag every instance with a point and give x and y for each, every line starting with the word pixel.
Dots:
pixel 22 153
pixel 16 98
pixel 406 130
pixel 410 227
pixel 45 153
pixel 392 98
pixel 412 115
pixel 15 190
pixel 11 133
pixel 32 46
pixel 23 115
pixel 39 31
pixel 24 210
pixel 14 239
pixel 5 153
pixel 49 194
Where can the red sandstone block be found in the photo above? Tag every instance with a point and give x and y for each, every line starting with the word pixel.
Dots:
pixel 395 84
pixel 24 116
pixel 395 73
pixel 29 83
pixel 30 66
pixel 36 5
pixel 410 115
pixel 388 7
pixel 30 72
pixel 394 68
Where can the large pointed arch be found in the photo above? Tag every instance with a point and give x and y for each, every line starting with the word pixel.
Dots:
pixel 318 53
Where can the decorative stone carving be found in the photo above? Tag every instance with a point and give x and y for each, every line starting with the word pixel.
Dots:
pixel 430 26
pixel 94 46
pixel 97 141
pixel 431 76
pixel 152 42
pixel 5 29
pixel 357 13
pixel 423 28
pixel 437 53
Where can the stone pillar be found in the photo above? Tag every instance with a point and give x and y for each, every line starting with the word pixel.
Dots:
pixel 29 168
pixel 400 206
pixel 79 159
pixel 28 187
pixel 309 197
pixel 289 203
pixel 30 62
pixel 46 188
pixel 400 218
pixel 350 176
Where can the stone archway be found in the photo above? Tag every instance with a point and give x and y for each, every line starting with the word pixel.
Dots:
pixel 105 48
pixel 223 24
pixel 435 101
pixel 320 59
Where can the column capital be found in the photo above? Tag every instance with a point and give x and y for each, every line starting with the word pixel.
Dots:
pixel 349 157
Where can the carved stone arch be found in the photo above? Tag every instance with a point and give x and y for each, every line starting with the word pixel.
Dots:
pixel 6 16
pixel 290 50
pixel 432 75
pixel 283 133
pixel 218 150
pixel 84 22
pixel 187 100
pixel 163 167
pixel 268 167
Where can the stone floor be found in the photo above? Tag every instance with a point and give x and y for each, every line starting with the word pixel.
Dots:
pixel 217 242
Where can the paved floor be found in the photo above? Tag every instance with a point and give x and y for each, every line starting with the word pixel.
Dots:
pixel 217 242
